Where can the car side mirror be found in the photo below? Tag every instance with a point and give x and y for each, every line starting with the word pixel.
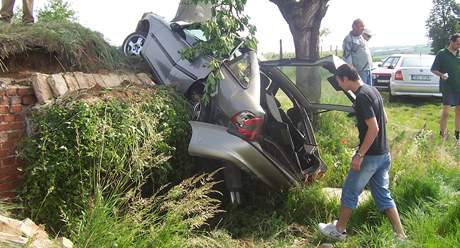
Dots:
pixel 379 64
pixel 391 67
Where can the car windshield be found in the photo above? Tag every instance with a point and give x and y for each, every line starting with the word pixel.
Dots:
pixel 420 61
pixel 329 95
pixel 195 34
pixel 241 69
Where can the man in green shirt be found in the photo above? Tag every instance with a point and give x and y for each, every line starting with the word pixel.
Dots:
pixel 447 67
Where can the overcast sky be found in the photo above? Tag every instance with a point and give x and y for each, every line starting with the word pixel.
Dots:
pixel 394 22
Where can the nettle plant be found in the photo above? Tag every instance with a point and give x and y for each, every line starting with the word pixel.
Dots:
pixel 228 29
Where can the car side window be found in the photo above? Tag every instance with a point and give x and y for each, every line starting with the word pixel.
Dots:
pixel 285 102
pixel 241 69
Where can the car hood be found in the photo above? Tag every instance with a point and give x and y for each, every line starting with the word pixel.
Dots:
pixel 188 13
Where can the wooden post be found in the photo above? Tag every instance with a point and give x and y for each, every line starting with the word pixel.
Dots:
pixel 281 49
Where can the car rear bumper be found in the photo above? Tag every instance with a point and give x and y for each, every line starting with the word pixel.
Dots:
pixel 215 142
pixel 414 89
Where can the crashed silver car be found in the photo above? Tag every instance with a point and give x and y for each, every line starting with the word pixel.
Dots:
pixel 244 126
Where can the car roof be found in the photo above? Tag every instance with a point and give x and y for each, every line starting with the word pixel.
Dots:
pixel 410 55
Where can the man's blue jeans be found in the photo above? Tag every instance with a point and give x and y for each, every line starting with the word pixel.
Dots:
pixel 374 171
pixel 366 77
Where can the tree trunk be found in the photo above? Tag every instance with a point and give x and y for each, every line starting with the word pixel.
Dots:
pixel 304 18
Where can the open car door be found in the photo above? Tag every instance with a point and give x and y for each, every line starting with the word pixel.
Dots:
pixel 284 72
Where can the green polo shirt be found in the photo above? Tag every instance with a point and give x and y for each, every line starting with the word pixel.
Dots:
pixel 446 62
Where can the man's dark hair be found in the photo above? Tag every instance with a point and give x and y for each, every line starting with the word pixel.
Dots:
pixel 454 37
pixel 348 71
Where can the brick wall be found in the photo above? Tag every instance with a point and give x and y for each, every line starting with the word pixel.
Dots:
pixel 14 100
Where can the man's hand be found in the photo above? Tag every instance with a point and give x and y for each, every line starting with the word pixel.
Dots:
pixel 356 162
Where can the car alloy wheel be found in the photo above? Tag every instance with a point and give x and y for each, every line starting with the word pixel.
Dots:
pixel 133 44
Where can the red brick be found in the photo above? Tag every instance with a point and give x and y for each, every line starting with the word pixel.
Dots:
pixel 11 91
pixel 8 195
pixel 10 185
pixel 16 135
pixel 25 91
pixel 4 100
pixel 8 144
pixel 10 170
pixel 12 126
pixel 4 109
pixel 11 118
pixel 16 108
pixel 8 162
pixel 7 152
pixel 15 100
pixel 28 100
pixel 3 137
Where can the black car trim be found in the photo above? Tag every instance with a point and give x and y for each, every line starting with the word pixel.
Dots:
pixel 155 73
pixel 278 167
pixel 171 60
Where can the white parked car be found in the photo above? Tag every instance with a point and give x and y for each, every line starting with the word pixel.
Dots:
pixel 407 74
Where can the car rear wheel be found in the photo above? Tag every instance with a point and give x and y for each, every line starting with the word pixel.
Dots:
pixel 133 44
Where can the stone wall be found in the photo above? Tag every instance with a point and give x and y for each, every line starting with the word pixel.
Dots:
pixel 18 95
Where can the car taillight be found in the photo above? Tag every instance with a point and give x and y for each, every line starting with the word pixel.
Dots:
pixel 248 125
pixel 399 75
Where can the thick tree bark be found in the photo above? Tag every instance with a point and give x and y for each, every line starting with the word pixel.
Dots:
pixel 304 19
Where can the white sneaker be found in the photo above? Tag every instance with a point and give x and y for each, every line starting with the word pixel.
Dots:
pixel 329 230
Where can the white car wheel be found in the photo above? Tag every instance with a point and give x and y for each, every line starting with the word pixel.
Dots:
pixel 133 44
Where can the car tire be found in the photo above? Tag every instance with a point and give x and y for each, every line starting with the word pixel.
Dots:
pixel 133 44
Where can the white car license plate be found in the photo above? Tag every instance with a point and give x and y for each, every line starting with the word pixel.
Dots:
pixel 421 77
pixel 382 81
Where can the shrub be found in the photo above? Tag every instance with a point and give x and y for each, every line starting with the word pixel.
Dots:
pixel 96 137
pixel 57 11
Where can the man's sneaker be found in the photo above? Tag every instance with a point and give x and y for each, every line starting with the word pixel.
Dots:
pixel 400 239
pixel 329 230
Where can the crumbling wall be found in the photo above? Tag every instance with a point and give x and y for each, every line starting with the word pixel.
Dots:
pixel 14 100
pixel 19 95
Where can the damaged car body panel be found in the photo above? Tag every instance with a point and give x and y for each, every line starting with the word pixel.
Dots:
pixel 214 141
